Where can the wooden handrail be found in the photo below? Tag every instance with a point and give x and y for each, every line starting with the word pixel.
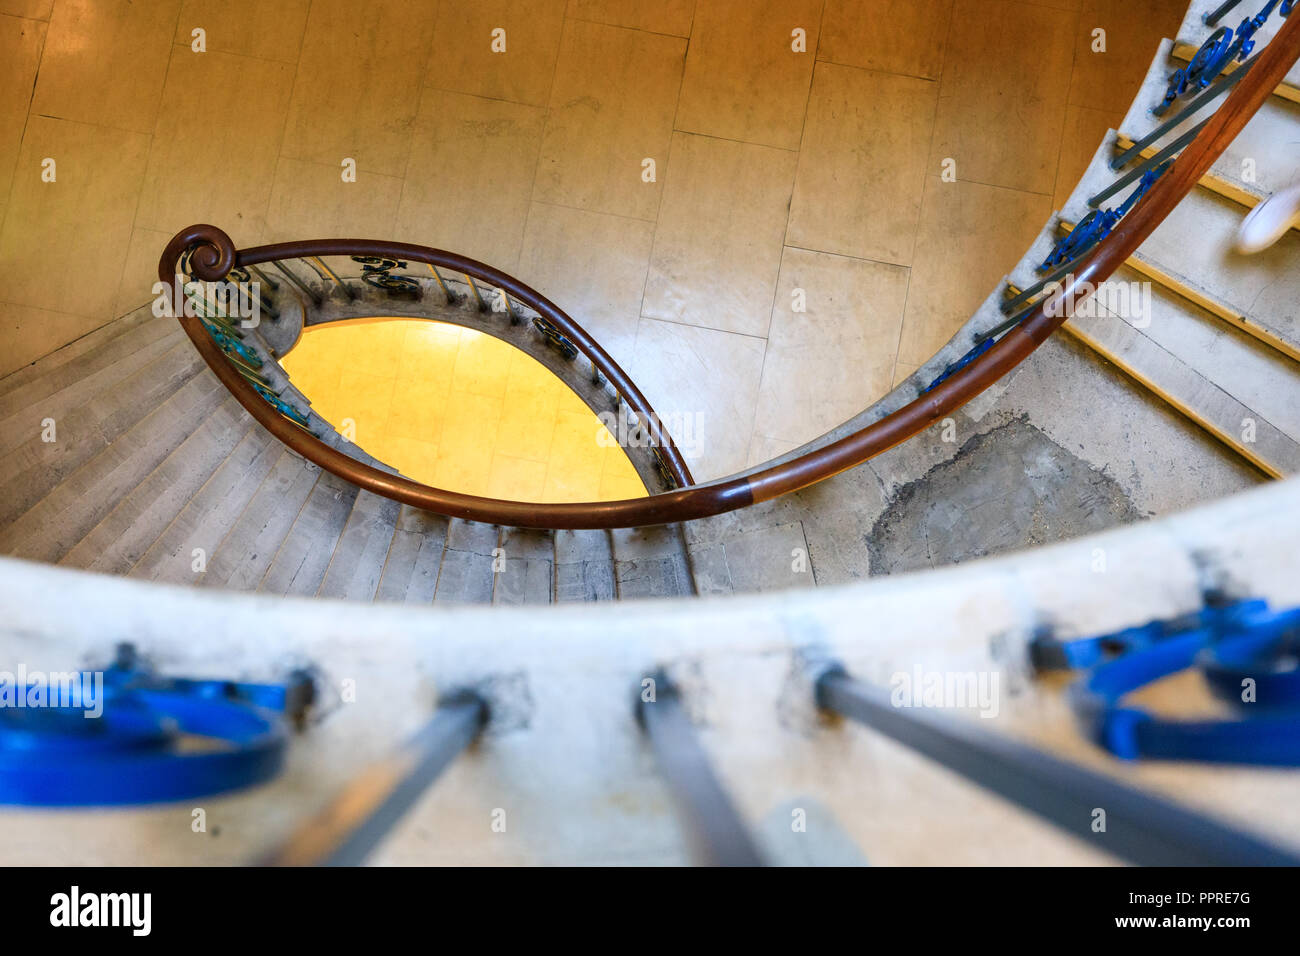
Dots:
pixel 214 256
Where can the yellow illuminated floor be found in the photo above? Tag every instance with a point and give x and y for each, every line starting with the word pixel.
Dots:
pixel 459 410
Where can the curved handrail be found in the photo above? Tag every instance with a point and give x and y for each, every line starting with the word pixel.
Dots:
pixel 215 256
pixel 213 251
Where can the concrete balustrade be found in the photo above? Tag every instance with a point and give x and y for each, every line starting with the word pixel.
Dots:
pixel 564 758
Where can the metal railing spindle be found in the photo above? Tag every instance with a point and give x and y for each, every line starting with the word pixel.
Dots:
pixel 1139 827
pixel 347 289
pixel 354 823
pixel 302 286
pixel 720 837
pixel 1212 18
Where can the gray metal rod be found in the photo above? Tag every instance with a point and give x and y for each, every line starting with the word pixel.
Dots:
pixel 1213 17
pixel 1140 828
pixel 354 823
pixel 296 281
pixel 1136 173
pixel 720 836
pixel 334 275
pixel 482 306
pixel 264 277
pixel 1004 326
pixel 1024 295
pixel 515 317
pixel 447 293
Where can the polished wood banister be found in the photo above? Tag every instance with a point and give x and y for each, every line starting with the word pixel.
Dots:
pixel 214 256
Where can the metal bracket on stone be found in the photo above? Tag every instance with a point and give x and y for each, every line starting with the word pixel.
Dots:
pixel 509 702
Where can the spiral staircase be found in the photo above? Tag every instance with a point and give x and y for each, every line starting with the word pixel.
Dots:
pixel 192 460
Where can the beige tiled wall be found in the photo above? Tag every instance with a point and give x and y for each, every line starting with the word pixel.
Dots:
pixel 773 170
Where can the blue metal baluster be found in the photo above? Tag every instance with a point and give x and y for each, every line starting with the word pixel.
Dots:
pixel 229 344
pixel 140 748
pixel 375 271
pixel 1214 54
pixel 1100 223
pixel 1216 90
pixel 981 346
pixel 554 338
pixel 283 407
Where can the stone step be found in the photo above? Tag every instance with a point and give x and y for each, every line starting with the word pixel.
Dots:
pixel 80 359
pixel 115 544
pixel 527 563
pixel 1221 378
pixel 86 394
pixel 1192 250
pixel 774 558
pixel 246 552
pixel 362 549
pixel 84 497
pixel 303 558
pixel 35 468
pixel 466 574
pixel 651 562
pixel 584 566
pixel 203 523
pixel 414 558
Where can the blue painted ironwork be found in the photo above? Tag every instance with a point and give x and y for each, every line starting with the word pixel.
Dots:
pixel 661 466
pixel 231 345
pixel 281 406
pixel 1205 66
pixel 555 339
pixel 375 271
pixel 156 739
pixel 1246 653
pixel 1217 89
pixel 979 349
pixel 1049 653
pixel 1100 223
pixel 1221 48
pixel 1264 661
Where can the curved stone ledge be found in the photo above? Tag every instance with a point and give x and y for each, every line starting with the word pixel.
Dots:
pixel 572 773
